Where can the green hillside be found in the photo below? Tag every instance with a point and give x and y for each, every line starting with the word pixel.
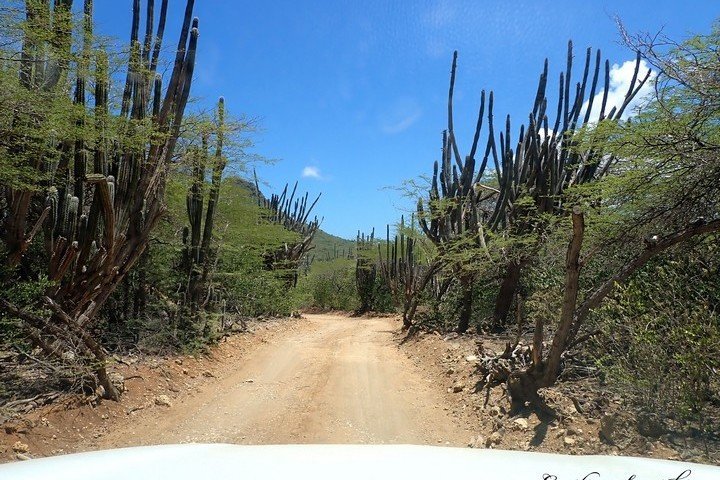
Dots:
pixel 327 246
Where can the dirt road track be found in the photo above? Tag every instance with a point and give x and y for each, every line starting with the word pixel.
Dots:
pixel 334 380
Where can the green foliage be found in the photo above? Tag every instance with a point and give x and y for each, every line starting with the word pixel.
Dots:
pixel 328 247
pixel 256 293
pixel 660 343
pixel 25 294
pixel 238 285
pixel 381 298
pixel 329 285
pixel 439 312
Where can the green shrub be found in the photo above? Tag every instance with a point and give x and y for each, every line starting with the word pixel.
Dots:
pixel 329 285
pixel 660 341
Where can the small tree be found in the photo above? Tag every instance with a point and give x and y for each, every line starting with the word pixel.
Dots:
pixel 544 369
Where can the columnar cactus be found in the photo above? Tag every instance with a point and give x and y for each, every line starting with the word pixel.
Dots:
pixel 461 203
pixel 103 192
pixel 402 270
pixel 293 214
pixel 365 269
pixel 198 236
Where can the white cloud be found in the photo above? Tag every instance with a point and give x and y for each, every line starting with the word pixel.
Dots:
pixel 311 172
pixel 402 124
pixel 401 116
pixel 620 77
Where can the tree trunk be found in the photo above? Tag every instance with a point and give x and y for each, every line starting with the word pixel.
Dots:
pixel 110 391
pixel 523 385
pixel 465 307
pixel 504 299
pixel 567 314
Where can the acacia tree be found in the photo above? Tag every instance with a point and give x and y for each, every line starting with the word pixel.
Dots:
pixel 101 172
pixel 663 191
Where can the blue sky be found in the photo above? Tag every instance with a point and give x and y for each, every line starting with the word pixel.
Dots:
pixel 351 95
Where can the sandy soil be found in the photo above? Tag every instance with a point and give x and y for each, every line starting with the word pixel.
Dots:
pixel 331 379
pixel 586 412
pixel 321 379
pixel 334 380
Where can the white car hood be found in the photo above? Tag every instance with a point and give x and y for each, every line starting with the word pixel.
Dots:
pixel 340 462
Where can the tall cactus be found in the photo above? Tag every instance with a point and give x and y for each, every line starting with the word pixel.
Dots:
pixel 365 269
pixel 543 165
pixel 198 236
pixel 293 214
pixel 402 271
pixel 96 221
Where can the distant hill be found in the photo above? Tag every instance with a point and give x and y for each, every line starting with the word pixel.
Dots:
pixel 329 246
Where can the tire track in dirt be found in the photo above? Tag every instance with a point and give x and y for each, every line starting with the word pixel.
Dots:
pixel 334 380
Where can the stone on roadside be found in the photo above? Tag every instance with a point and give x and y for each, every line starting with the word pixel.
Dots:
pixel 163 401
pixel 520 424
pixel 493 439
pixel 610 427
pixel 495 411
pixel 650 425
pixel 118 380
pixel 19 447
pixel 477 442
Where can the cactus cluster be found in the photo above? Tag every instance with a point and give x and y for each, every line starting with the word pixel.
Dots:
pixel 400 268
pixel 465 201
pixel 293 214
pixel 104 188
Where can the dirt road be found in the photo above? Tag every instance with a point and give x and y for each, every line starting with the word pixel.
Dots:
pixel 333 380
